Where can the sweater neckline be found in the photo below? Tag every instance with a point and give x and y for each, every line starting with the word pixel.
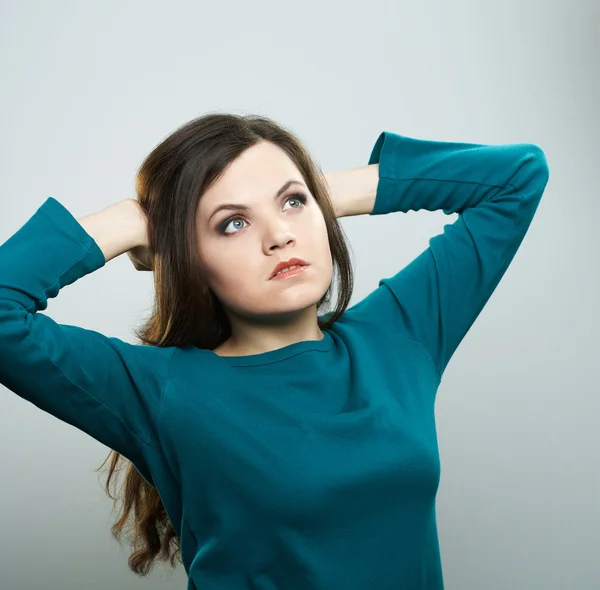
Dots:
pixel 279 354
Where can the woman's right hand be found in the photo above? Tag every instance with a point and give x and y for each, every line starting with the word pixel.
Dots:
pixel 141 257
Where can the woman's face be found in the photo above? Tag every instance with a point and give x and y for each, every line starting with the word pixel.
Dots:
pixel 239 248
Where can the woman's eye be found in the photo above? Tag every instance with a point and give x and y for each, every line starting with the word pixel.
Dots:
pixel 234 220
pixel 298 197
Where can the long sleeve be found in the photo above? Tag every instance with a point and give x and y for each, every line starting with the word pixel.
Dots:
pixel 101 385
pixel 495 189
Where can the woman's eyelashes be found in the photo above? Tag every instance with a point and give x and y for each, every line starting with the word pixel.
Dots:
pixel 300 197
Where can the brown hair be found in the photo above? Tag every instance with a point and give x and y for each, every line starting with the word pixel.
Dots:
pixel 169 184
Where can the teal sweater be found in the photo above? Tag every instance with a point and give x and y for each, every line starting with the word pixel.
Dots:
pixel 314 466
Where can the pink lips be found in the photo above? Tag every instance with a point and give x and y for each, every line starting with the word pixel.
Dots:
pixel 286 263
pixel 290 273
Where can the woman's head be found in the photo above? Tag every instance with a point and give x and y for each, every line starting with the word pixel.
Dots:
pixel 212 272
pixel 240 248
pixel 206 280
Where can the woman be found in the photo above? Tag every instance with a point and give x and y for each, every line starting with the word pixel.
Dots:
pixel 270 444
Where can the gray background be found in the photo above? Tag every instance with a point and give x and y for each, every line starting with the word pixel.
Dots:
pixel 88 89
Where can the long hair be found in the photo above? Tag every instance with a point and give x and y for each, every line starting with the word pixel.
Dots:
pixel 169 185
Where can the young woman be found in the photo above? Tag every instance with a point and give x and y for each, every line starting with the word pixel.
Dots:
pixel 269 443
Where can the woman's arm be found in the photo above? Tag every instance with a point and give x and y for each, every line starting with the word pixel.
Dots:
pixel 495 189
pixel 104 386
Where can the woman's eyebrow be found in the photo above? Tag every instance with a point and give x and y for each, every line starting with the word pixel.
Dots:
pixel 247 207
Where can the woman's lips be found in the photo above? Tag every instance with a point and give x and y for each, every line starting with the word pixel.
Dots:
pixel 299 270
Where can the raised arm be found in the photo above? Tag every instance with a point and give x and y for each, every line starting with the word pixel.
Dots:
pixel 495 189
pixel 101 385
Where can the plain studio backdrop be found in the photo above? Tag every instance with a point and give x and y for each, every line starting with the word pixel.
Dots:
pixel 89 88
